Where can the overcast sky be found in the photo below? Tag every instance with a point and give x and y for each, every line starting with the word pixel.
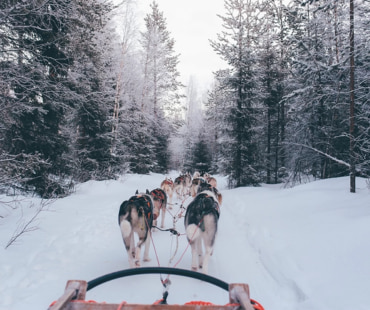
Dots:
pixel 191 24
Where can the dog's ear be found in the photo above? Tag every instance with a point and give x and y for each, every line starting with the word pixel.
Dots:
pixel 137 192
pixel 147 191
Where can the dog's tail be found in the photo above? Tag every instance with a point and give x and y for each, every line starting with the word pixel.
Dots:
pixel 192 232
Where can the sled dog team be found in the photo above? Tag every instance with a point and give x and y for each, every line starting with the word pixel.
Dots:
pixel 140 213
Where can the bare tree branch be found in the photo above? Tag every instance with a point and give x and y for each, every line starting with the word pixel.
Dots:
pixel 320 152
pixel 29 225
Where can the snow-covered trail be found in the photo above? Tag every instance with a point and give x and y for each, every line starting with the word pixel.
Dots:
pixel 303 248
pixel 79 238
pixel 256 256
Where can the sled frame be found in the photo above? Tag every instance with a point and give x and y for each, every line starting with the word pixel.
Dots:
pixel 75 294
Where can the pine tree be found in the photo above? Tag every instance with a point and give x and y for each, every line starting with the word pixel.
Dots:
pixel 160 94
pixel 94 67
pixel 273 50
pixel 219 130
pixel 34 66
pixel 319 86
pixel 201 155
pixel 236 46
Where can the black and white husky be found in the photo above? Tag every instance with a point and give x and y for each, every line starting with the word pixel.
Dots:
pixel 136 216
pixel 201 220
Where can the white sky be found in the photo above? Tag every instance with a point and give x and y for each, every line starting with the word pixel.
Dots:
pixel 191 24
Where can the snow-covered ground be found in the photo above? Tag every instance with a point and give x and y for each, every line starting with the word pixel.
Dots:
pixel 305 248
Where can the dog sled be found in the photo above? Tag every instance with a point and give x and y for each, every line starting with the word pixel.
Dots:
pixel 75 293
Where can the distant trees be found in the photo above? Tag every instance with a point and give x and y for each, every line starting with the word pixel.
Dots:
pixel 77 102
pixel 287 92
pixel 93 69
pixel 34 67
pixel 236 45
pixel 160 92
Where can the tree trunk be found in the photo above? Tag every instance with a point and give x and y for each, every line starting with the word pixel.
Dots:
pixel 352 99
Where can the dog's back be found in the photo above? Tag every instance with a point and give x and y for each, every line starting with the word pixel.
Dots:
pixel 138 206
pixel 203 204
pixel 136 216
pixel 160 204
pixel 167 185
pixel 201 222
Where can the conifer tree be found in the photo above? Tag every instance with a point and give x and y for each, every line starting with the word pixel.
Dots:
pixel 160 94
pixel 93 66
pixel 34 64
pixel 236 46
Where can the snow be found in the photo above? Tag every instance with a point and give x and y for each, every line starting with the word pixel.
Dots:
pixel 306 247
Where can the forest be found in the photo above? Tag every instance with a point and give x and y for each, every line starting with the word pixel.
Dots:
pixel 85 95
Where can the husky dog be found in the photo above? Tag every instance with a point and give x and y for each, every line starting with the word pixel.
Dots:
pixel 188 179
pixel 179 186
pixel 182 185
pixel 167 186
pixel 195 185
pixel 196 174
pixel 160 203
pixel 212 181
pixel 136 216
pixel 201 219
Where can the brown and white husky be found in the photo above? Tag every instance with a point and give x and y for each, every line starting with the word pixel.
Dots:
pixel 167 186
pixel 160 204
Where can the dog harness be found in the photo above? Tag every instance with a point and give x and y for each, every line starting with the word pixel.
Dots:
pixel 168 181
pixel 144 203
pixel 215 205
pixel 158 194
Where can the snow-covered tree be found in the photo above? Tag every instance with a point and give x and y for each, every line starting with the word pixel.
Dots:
pixel 34 66
pixel 160 98
pixel 237 46
pixel 94 74
pixel 219 129
pixel 273 51
pixel 319 88
pixel 53 69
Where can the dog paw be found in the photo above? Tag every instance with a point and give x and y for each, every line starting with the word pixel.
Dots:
pixel 147 259
pixel 137 263
pixel 194 268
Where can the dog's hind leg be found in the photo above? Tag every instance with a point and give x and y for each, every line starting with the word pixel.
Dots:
pixel 146 251
pixel 193 235
pixel 163 216
pixel 207 255
pixel 132 245
pixel 143 239
pixel 194 255
pixel 209 235
pixel 127 236
pixel 170 195
pixel 200 252
pixel 138 252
